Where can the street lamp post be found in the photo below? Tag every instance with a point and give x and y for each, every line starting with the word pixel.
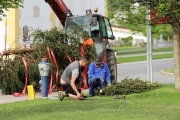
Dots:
pixel 149 49
pixel 149 42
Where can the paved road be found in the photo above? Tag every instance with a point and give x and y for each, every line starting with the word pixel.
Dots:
pixel 139 69
pixel 11 98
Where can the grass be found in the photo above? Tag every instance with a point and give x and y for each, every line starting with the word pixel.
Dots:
pixel 169 70
pixel 159 104
pixel 143 58
pixel 125 48
pixel 169 49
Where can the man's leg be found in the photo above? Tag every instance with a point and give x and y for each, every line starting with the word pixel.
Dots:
pixel 68 91
pixel 73 96
pixel 92 85
pixel 101 83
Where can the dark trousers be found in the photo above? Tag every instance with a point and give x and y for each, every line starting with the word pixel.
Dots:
pixel 68 89
pixel 94 84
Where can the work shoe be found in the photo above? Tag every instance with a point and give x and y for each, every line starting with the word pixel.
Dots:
pixel 61 95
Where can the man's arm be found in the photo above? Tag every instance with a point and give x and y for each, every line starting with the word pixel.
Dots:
pixel 72 83
pixel 108 74
pixel 91 71
pixel 84 79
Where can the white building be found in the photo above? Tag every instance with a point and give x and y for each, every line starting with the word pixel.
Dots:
pixel 38 14
pixel 120 32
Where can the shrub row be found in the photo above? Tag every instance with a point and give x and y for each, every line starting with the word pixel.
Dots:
pixel 129 86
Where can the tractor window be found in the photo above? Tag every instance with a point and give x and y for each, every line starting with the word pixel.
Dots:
pixel 95 30
pixel 80 21
pixel 78 25
pixel 100 46
pixel 106 28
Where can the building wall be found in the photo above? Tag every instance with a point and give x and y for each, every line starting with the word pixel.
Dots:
pixel 120 33
pixel 2 34
pixel 10 29
pixel 34 14
pixel 78 7
pixel 37 14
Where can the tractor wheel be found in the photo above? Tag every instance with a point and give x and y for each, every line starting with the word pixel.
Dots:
pixel 111 62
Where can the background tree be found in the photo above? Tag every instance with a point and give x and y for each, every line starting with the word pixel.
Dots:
pixel 135 14
pixel 7 4
pixel 110 14
pixel 164 29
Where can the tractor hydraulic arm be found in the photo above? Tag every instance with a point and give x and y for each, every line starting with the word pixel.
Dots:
pixel 60 9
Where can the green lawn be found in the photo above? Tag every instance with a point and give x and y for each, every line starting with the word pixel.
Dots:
pixel 159 104
pixel 143 58
pixel 169 70
pixel 133 51
pixel 126 48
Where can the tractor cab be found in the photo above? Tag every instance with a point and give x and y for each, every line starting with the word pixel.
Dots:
pixel 98 28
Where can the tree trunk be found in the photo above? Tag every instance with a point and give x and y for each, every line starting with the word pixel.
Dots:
pixel 18 51
pixel 176 30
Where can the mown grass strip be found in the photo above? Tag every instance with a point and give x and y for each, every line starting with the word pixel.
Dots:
pixel 144 51
pixel 126 48
pixel 143 58
pixel 158 104
pixel 169 70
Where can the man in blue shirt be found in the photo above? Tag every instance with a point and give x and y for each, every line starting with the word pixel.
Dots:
pixel 98 75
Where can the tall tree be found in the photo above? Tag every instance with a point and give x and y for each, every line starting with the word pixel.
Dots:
pixel 162 12
pixel 7 4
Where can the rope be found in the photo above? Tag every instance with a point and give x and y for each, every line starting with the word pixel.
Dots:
pixel 25 85
pixel 53 58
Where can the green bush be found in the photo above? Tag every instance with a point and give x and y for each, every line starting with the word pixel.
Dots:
pixel 128 41
pixel 129 86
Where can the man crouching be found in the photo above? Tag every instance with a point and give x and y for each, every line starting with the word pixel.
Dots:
pixel 70 79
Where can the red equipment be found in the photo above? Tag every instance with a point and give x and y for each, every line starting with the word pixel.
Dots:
pixel 161 20
pixel 97 26
pixel 16 94
pixel 60 9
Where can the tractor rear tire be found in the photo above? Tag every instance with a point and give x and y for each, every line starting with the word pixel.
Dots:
pixel 112 65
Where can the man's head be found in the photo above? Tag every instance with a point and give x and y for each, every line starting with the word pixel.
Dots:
pixel 98 61
pixel 84 61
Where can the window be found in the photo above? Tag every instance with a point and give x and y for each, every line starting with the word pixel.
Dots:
pixel 36 11
pixel 106 28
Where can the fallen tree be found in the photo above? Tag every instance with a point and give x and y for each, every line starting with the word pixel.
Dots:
pixel 54 44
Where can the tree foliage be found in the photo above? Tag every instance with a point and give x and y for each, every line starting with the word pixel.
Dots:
pixel 127 41
pixel 165 29
pixel 63 46
pixel 134 12
pixel 110 14
pixel 7 4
